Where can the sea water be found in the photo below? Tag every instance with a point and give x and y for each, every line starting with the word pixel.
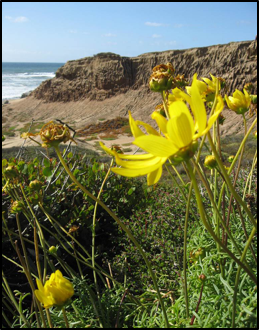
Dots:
pixel 19 78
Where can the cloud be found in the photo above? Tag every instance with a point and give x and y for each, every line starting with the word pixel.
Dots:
pixel 155 24
pixel 109 35
pixel 178 26
pixel 110 43
pixel 19 19
pixel 156 36
pixel 72 31
pixel 243 22
pixel 171 43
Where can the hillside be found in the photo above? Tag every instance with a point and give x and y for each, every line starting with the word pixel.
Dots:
pixel 107 85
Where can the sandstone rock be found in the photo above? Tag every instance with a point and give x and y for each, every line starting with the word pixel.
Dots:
pixel 106 74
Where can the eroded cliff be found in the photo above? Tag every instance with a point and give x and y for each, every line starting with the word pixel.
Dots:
pixel 106 74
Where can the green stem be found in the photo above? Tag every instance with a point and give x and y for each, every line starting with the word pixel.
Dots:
pixel 12 298
pixel 235 158
pixel 94 224
pixel 123 227
pixel 228 182
pixel 238 275
pixel 208 227
pixel 185 251
pixel 65 317
pixel 165 104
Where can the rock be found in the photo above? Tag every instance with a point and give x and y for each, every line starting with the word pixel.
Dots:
pixel 106 75
pixel 25 94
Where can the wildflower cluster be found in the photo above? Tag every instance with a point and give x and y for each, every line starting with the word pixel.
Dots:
pixel 180 127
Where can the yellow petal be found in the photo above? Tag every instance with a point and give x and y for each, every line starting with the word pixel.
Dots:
pixel 154 176
pixel 135 157
pixel 180 127
pixel 149 129
pixel 138 164
pixel 198 107
pixel 138 171
pixel 156 145
pixel 160 120
pixel 213 118
pixel 135 130
pixel 107 150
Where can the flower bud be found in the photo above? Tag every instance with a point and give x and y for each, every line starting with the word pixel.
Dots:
pixel 210 162
pixel 253 99
pixel 35 185
pixel 231 158
pixel 255 134
pixel 11 172
pixel 52 250
pixel 3 138
pixel 239 102
pixel 249 87
pixel 117 149
pixel 161 78
pixel 184 153
pixel 160 109
pixel 202 277
pixel 17 207
pixel 221 119
pixel 52 134
pixel 194 255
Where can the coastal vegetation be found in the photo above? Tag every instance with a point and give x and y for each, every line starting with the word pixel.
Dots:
pixel 161 239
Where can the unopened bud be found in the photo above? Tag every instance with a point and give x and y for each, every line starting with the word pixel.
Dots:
pixel 35 185
pixel 210 161
pixel 202 277
pixel 253 99
pixel 52 250
pixel 231 158
pixel 11 172
pixel 17 207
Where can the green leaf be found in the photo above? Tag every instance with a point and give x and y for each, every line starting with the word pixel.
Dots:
pixel 4 162
pixel 46 162
pixel 70 155
pixel 47 171
pixel 226 284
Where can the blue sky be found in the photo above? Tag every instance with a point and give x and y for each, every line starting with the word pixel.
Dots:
pixel 62 31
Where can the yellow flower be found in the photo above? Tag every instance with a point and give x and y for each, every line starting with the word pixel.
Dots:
pixel 55 292
pixel 239 102
pixel 210 161
pixel 207 89
pixel 178 142
pixel 211 84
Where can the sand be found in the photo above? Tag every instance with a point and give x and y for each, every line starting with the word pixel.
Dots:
pixel 16 141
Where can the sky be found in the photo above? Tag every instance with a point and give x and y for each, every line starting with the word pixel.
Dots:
pixel 62 31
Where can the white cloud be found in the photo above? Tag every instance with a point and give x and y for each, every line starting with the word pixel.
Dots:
pixel 155 24
pixel 110 43
pixel 109 35
pixel 171 43
pixel 19 19
pixel 156 36
pixel 178 26
pixel 242 22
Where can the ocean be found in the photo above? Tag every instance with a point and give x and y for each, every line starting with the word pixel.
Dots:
pixel 19 78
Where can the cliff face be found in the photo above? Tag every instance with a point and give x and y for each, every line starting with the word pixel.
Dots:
pixel 106 74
